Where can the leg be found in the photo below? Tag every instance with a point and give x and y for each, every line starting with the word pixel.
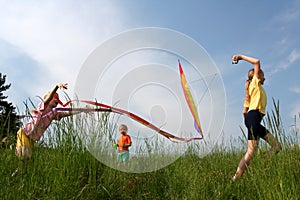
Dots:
pixel 24 146
pixel 273 142
pixel 252 122
pixel 245 161
pixel 24 152
pixel 126 158
pixel 119 158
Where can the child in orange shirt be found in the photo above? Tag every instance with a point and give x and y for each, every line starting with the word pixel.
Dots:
pixel 124 142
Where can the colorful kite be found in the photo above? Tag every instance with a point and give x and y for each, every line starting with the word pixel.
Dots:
pixel 100 107
pixel 190 101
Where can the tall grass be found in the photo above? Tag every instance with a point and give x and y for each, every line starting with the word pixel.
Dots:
pixel 63 168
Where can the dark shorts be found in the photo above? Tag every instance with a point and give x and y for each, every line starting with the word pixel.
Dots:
pixel 253 123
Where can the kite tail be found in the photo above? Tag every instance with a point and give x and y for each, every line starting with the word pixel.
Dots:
pixel 139 119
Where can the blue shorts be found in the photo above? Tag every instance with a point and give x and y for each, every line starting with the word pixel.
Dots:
pixel 123 156
pixel 253 123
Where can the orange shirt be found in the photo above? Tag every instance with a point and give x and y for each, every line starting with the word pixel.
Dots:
pixel 123 139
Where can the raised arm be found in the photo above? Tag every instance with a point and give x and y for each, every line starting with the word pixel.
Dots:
pixel 61 86
pixel 254 61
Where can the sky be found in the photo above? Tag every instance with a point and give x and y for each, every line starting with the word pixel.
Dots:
pixel 43 43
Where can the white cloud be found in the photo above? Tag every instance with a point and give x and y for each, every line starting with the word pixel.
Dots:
pixel 58 35
pixel 295 110
pixel 295 89
pixel 294 56
pixel 283 26
pixel 289 15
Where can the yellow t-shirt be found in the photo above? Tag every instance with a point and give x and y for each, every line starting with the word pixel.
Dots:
pixel 258 97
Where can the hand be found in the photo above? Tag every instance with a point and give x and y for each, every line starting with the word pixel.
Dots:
pixel 63 86
pixel 245 111
pixel 115 145
pixel 236 57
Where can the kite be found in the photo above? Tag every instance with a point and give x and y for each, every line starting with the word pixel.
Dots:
pixel 190 101
pixel 100 107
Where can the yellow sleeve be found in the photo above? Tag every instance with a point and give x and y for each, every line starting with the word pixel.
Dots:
pixel 246 103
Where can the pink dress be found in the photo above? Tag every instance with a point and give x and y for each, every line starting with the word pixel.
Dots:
pixel 40 121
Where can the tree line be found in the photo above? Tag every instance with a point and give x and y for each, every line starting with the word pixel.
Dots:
pixel 9 120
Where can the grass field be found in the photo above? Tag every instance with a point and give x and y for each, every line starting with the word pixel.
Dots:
pixel 69 171
pixel 65 174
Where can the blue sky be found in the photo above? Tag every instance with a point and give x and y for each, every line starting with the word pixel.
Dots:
pixel 46 42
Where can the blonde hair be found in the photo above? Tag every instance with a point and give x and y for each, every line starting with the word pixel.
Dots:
pixel 248 81
pixel 124 126
pixel 35 111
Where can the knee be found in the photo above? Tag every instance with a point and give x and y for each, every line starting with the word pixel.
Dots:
pixel 277 148
pixel 273 141
pixel 23 152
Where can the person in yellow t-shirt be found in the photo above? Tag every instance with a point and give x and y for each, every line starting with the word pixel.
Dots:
pixel 254 111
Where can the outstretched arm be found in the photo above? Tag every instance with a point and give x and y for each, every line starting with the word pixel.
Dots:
pixel 69 113
pixel 254 61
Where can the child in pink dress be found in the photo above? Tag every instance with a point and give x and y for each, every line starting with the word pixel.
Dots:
pixel 42 117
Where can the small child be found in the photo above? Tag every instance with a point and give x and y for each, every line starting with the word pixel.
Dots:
pixel 124 142
pixel 33 130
